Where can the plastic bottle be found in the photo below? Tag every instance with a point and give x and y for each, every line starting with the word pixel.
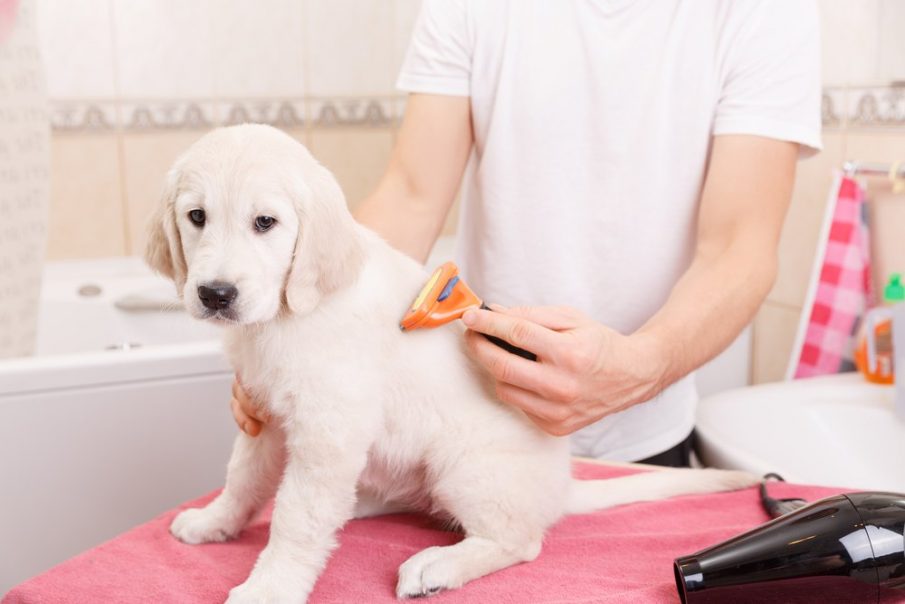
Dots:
pixel 893 293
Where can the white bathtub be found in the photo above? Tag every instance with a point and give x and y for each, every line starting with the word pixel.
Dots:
pixel 94 441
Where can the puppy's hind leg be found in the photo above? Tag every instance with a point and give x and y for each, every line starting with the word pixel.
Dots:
pixel 504 508
pixel 438 568
pixel 252 477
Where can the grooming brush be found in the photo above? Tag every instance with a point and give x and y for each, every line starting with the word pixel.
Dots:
pixel 444 298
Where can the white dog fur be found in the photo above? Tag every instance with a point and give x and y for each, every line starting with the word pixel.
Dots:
pixel 366 419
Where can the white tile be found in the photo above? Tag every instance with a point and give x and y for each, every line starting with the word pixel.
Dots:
pixel 77 47
pixel 892 41
pixel 850 40
pixel 349 47
pixel 775 328
pixel 164 48
pixel 406 14
pixel 258 49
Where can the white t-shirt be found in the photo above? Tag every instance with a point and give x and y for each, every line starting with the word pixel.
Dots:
pixel 592 122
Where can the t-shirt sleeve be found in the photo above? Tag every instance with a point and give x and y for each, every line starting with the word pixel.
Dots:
pixel 438 60
pixel 771 83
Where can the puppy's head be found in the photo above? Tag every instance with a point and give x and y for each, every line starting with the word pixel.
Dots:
pixel 250 224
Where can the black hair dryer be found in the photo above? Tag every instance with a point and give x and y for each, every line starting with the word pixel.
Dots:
pixel 848 548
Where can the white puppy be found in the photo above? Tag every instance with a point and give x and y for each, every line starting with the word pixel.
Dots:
pixel 367 419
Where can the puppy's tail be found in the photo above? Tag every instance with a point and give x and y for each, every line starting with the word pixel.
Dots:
pixel 589 495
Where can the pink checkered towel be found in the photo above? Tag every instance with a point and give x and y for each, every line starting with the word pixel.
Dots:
pixel 840 288
pixel 612 556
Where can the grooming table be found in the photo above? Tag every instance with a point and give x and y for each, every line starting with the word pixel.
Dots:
pixel 623 554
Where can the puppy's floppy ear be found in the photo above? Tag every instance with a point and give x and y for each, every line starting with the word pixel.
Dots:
pixel 163 251
pixel 328 250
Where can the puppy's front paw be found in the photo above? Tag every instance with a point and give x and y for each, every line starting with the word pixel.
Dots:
pixel 201 525
pixel 258 591
pixel 425 574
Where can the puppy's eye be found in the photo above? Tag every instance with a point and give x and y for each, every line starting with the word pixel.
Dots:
pixel 264 223
pixel 197 217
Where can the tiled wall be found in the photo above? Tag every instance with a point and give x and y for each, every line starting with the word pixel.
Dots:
pixel 133 82
pixel 873 130
pixel 864 120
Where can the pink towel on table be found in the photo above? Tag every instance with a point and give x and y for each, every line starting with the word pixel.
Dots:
pixel 623 554
pixel 841 293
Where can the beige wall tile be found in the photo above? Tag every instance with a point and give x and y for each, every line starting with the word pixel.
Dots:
pixel 356 156
pixel 801 230
pixel 299 134
pixel 86 213
pixel 879 145
pixel 774 334
pixel 146 158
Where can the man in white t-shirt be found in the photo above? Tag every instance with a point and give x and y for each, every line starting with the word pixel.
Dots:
pixel 629 162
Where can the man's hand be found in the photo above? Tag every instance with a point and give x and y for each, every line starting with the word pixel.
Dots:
pixel 584 371
pixel 249 416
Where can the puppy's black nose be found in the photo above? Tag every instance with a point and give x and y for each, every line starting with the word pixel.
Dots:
pixel 216 295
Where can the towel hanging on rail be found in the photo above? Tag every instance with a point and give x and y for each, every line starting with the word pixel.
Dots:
pixel 840 288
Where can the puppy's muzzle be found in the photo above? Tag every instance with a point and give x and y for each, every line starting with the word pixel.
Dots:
pixel 217 295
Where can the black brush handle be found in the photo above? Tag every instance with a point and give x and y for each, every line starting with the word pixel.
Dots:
pixel 506 345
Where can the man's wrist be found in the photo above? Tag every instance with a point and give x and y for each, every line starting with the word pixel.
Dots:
pixel 661 355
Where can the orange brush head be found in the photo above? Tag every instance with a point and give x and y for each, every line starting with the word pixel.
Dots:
pixel 444 298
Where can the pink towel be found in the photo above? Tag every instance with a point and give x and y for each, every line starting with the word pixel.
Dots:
pixel 623 554
pixel 841 293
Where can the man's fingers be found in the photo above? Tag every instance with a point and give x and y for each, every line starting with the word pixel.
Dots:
pixel 248 408
pixel 512 369
pixel 515 330
pixel 252 427
pixel 246 423
pixel 557 318
pixel 239 415
pixel 549 416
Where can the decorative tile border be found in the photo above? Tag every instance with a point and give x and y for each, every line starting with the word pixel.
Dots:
pixel 143 116
pixel 374 112
pixel 868 107
pixel 168 115
pixel 883 107
pixel 864 107
pixel 279 113
pixel 83 117
pixel 832 108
